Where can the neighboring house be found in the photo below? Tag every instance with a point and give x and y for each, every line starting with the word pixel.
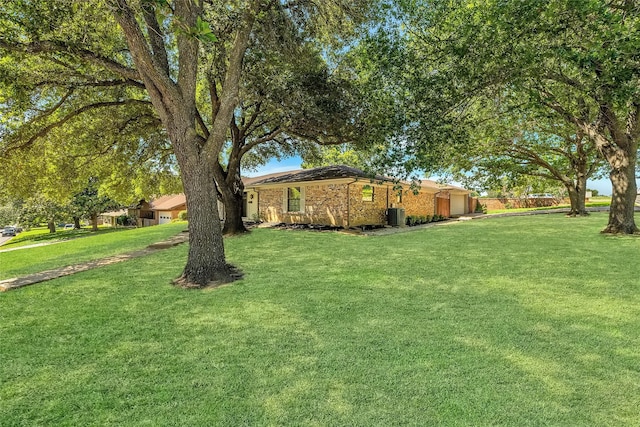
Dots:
pixel 159 211
pixel 345 197
pixel 111 218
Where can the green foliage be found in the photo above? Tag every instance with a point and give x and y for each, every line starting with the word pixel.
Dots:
pixel 412 220
pixel 38 210
pixel 125 220
pixel 9 214
pixel 203 32
pixel 183 216
pixel 89 202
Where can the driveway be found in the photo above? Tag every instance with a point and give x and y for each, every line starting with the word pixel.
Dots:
pixel 4 239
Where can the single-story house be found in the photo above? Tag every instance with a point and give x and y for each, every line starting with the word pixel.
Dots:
pixel 339 196
pixel 346 197
pixel 111 218
pixel 158 211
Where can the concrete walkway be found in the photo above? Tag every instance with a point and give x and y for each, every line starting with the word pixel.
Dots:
pixel 19 282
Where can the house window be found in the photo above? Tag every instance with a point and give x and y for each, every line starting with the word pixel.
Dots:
pixel 293 199
pixel 367 193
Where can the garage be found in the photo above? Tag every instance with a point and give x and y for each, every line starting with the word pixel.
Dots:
pixel 164 217
pixel 459 203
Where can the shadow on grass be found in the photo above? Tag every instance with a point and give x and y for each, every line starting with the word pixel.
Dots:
pixel 59 235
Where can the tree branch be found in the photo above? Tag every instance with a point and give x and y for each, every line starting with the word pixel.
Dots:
pixel 44 131
pixel 58 47
pixel 156 37
pixel 264 138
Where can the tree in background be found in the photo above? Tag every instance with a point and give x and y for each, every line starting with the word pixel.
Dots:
pixel 290 101
pixel 522 140
pixel 9 213
pixel 575 59
pixel 89 204
pixel 39 209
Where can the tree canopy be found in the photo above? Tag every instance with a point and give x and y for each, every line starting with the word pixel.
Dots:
pixel 180 63
pixel 576 61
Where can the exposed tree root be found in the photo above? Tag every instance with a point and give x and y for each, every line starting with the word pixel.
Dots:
pixel 233 274
pixel 620 229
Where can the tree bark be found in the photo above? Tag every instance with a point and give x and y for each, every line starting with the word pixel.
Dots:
pixel 620 149
pixel 76 223
pixel 623 183
pixel 52 226
pixel 94 222
pixel 175 102
pixel 577 194
pixel 206 261
pixel 232 197
pixel 231 189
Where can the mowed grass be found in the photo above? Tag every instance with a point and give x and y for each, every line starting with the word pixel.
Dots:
pixel 599 202
pixel 43 235
pixel 84 247
pixel 509 321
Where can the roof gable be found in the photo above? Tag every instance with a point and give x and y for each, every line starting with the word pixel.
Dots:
pixel 167 203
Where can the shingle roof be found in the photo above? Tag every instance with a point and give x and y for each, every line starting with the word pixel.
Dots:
pixel 317 174
pixel 250 180
pixel 167 203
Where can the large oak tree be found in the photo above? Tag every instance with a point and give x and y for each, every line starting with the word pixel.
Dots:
pixel 101 55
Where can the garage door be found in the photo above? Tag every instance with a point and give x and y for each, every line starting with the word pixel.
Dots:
pixel 458 204
pixel 164 217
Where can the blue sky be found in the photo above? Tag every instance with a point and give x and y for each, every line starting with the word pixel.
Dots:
pixel 291 163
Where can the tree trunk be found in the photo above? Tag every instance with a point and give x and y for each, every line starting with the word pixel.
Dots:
pixel 175 102
pixel 52 226
pixel 577 194
pixel 621 152
pixel 581 189
pixel 206 261
pixel 623 197
pixel 232 197
pixel 76 222
pixel 94 222
pixel 573 198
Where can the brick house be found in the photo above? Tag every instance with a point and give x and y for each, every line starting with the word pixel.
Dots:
pixel 345 197
pixel 333 195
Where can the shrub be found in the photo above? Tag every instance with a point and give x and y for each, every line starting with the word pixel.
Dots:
pixel 182 215
pixel 125 220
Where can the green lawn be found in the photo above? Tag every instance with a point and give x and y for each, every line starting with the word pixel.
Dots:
pixel 508 321
pixel 81 246
pixel 598 203
pixel 42 235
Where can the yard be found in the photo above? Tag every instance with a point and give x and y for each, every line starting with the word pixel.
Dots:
pixel 513 321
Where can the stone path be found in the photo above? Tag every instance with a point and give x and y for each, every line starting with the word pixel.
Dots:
pixel 19 282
